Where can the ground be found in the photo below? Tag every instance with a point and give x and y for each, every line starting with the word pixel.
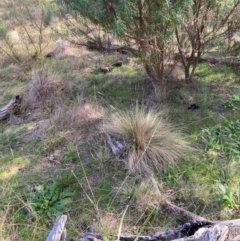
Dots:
pixel 55 158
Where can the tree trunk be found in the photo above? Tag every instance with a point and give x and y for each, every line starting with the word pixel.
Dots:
pixel 160 90
pixel 187 74
pixel 156 74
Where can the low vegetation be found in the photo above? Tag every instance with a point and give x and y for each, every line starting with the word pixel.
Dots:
pixel 55 157
pixel 150 140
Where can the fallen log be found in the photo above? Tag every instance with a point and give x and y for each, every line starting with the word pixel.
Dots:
pixel 197 229
pixel 191 231
pixel 99 46
pixel 11 108
pixel 194 230
pixel 58 232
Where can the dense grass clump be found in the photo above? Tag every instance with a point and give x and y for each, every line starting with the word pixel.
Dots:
pixel 150 140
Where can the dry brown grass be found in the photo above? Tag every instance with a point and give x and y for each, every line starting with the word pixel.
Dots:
pixel 107 224
pixel 151 141
pixel 149 194
pixel 81 121
pixel 44 89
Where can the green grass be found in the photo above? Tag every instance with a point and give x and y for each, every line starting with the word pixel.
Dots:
pixel 120 88
pixel 223 141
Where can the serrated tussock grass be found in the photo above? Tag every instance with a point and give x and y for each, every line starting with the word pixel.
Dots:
pixel 151 141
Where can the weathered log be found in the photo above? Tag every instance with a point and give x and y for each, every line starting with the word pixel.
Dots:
pixel 219 231
pixel 191 231
pixel 58 232
pixel 198 229
pixel 11 108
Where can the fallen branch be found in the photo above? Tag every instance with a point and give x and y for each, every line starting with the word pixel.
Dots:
pixel 58 232
pixel 11 108
pixel 185 215
pixel 98 46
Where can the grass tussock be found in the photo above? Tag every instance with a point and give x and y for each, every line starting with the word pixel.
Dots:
pixel 43 89
pixel 150 140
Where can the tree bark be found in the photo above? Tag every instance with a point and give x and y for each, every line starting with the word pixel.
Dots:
pixel 157 79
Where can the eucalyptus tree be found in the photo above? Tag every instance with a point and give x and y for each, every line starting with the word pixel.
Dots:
pixel 148 23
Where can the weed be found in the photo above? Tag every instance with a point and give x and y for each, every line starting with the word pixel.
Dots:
pixel 230 105
pixel 49 202
pixel 232 102
pixel 229 198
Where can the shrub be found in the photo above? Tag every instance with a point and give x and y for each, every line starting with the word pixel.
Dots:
pixel 150 140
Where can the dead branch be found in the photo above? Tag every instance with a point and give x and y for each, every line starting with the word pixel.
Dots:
pixel 185 215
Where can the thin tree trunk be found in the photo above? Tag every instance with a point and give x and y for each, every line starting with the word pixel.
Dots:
pixel 158 82
pixel 187 73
